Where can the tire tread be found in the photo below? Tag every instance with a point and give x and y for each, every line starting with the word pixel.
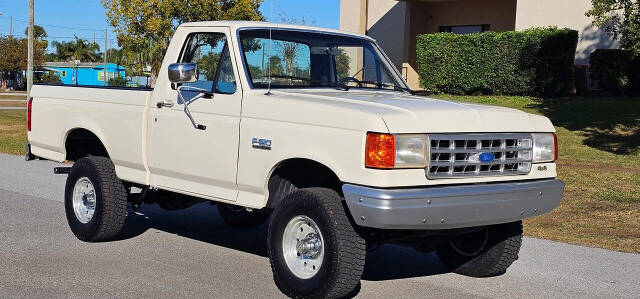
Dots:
pixel 114 200
pixel 352 247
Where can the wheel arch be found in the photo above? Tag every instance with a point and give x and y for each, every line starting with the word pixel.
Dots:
pixel 80 142
pixel 301 173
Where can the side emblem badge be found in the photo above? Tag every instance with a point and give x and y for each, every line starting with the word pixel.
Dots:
pixel 486 157
pixel 261 143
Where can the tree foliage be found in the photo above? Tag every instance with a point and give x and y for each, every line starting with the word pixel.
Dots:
pixel 145 27
pixel 78 49
pixel 117 81
pixel 342 64
pixel 49 78
pixel 290 50
pixel 38 32
pixel 208 64
pixel 619 18
pixel 13 55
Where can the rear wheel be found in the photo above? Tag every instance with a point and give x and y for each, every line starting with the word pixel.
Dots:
pixel 241 217
pixel 314 250
pixel 95 200
pixel 488 252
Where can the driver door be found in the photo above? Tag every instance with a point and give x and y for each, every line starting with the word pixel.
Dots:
pixel 189 160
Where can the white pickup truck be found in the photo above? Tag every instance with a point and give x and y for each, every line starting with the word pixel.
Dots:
pixel 312 129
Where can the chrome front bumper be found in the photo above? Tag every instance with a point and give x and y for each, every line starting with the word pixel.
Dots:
pixel 448 207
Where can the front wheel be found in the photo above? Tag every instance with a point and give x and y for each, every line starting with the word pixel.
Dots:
pixel 314 250
pixel 488 252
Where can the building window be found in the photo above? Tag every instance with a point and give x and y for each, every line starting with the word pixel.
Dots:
pixel 110 75
pixel 466 29
pixel 63 74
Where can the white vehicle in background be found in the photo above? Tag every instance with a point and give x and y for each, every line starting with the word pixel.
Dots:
pixel 313 130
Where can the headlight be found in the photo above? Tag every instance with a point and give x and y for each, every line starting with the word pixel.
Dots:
pixel 411 151
pixel 396 151
pixel 545 147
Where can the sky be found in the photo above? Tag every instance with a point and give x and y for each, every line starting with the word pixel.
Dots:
pixel 62 19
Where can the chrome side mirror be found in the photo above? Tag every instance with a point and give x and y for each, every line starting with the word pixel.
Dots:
pixel 183 72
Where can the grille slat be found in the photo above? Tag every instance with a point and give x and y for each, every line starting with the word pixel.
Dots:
pixel 458 155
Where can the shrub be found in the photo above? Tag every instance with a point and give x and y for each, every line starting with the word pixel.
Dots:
pixel 50 78
pixel 537 61
pixel 616 71
pixel 117 81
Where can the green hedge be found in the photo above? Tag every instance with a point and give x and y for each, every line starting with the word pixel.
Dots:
pixel 538 61
pixel 117 81
pixel 616 71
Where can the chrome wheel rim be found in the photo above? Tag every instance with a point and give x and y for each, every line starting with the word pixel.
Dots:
pixel 302 245
pixel 84 200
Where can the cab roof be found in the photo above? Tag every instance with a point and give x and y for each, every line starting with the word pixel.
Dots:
pixel 235 25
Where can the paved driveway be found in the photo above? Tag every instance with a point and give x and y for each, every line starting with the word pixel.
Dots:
pixel 193 253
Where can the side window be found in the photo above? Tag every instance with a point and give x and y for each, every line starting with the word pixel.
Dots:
pixel 210 51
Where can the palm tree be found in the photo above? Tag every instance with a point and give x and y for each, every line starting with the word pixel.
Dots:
pixel 38 32
pixel 79 49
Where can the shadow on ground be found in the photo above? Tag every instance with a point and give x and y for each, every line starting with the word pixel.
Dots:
pixel 203 223
pixel 609 124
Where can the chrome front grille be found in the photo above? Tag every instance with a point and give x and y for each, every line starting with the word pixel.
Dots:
pixel 467 155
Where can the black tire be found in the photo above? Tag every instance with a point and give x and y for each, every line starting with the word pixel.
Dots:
pixel 489 252
pixel 344 250
pixel 111 200
pixel 240 217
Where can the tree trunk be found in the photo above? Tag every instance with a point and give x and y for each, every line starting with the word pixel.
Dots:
pixel 154 78
pixel 3 85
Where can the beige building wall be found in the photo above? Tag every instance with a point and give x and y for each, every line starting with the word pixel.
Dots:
pixel 350 15
pixel 569 14
pixel 384 20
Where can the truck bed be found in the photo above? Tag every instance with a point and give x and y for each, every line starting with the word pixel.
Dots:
pixel 110 113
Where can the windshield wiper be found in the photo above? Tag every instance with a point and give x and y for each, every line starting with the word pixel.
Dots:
pixel 400 88
pixel 395 87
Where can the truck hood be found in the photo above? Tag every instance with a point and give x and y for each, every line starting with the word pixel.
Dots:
pixel 404 113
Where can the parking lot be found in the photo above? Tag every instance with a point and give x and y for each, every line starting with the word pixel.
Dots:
pixel 192 253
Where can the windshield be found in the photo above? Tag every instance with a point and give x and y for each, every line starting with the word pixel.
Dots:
pixel 298 59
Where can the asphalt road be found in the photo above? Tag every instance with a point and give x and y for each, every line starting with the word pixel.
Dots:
pixel 192 253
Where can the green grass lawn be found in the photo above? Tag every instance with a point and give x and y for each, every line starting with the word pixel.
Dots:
pixel 13 104
pixel 13 131
pixel 13 97
pixel 600 163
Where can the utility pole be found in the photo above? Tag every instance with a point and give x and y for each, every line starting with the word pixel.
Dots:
pixel 30 55
pixel 105 57
pixel 11 26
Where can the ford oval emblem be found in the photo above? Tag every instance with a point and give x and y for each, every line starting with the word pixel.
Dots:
pixel 486 157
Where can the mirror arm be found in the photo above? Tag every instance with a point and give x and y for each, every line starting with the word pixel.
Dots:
pixel 203 93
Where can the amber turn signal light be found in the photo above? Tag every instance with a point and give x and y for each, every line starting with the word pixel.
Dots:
pixel 380 151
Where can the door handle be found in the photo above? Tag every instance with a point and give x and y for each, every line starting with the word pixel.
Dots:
pixel 164 104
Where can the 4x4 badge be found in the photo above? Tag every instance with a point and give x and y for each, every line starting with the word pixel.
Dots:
pixel 261 143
